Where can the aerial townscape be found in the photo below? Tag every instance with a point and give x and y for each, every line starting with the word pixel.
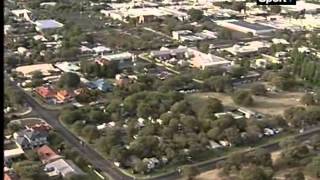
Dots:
pixel 161 90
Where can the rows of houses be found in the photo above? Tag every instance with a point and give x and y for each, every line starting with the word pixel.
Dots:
pixel 34 137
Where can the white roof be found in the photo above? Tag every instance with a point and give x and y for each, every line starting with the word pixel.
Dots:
pixel 64 167
pixel 279 41
pixel 101 49
pixel 39 37
pixel 13 152
pixel 101 126
pixel 44 68
pixel 85 48
pixel 67 66
pixel 48 3
pixel 20 11
pixel 48 24
pixel 214 144
pixel 119 56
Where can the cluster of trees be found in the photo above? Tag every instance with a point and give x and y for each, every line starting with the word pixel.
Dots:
pixel 300 117
pixel 87 96
pixel 69 80
pixel 282 79
pixel 93 69
pixel 29 170
pixel 217 84
pixel 184 126
pixel 306 67
pixel 243 98
pixel 195 14
pixel 12 97
pixel 259 165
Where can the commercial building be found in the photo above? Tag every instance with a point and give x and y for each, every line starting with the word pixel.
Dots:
pixel 246 27
pixel 45 69
pixel 249 48
pixel 42 25
pixel 204 61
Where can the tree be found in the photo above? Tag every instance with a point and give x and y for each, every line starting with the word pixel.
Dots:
pixel 204 47
pixel 140 167
pixel 243 98
pixel 259 90
pixel 312 168
pixel 195 14
pixel 275 9
pixel 189 172
pixel 237 72
pixel 29 169
pixel 225 34
pixel 213 106
pixel 31 155
pixel 70 116
pixel 217 83
pixel 238 6
pixel 307 99
pixel 69 80
pixel 253 172
pixel 77 177
pixel 77 126
pixel 90 132
pixel 96 116
pixel 15 96
pixel 296 175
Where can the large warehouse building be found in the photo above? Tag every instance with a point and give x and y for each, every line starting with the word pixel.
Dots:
pixel 246 27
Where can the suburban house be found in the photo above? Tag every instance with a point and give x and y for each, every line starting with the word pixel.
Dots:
pixel 12 150
pixel 100 84
pixel 39 127
pixel 123 80
pixel 62 167
pixel 124 59
pixel 46 154
pixel 29 138
pixel 22 14
pixel 63 96
pixel 151 162
pixel 45 91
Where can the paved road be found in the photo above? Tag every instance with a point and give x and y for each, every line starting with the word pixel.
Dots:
pixel 51 117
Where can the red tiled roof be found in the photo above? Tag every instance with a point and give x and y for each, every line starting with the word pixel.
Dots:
pixel 7 177
pixel 45 92
pixel 46 154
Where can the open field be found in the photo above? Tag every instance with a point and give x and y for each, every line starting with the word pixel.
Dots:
pixel 272 104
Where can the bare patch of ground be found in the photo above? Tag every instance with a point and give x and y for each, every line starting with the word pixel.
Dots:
pixel 210 175
pixel 275 155
pixel 272 104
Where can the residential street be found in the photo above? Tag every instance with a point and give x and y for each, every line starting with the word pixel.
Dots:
pixel 51 117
